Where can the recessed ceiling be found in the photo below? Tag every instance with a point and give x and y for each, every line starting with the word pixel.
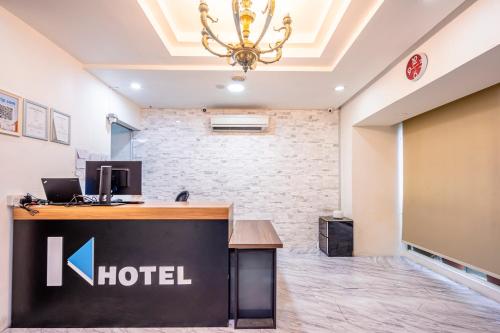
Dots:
pixel 179 16
pixel 156 43
pixel 177 24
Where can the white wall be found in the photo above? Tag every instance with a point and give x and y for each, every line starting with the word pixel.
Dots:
pixel 470 35
pixel 35 68
pixel 288 174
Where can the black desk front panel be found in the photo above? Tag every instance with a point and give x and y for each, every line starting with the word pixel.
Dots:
pixel 191 290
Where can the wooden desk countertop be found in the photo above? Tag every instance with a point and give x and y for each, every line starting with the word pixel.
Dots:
pixel 254 234
pixel 147 211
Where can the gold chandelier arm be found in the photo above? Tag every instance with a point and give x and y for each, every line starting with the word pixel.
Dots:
pixel 231 61
pixel 287 21
pixel 205 40
pixel 275 59
pixel 236 17
pixel 270 12
pixel 204 17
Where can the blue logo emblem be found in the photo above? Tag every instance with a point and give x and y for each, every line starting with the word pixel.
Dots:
pixel 82 261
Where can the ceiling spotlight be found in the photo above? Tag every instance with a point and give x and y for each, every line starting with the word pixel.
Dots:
pixel 135 86
pixel 235 87
pixel 339 88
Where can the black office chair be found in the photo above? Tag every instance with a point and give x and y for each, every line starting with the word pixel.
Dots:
pixel 182 197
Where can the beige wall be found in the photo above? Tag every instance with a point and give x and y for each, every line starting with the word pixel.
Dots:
pixel 34 68
pixel 375 190
pixel 369 184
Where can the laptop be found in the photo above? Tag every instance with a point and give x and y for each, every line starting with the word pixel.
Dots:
pixel 62 190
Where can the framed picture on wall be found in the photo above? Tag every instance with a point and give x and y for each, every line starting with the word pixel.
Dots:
pixel 10 113
pixel 61 127
pixel 36 120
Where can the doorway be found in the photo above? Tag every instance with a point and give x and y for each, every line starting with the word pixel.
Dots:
pixel 121 143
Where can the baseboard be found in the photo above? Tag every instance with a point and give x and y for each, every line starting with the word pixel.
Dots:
pixel 483 287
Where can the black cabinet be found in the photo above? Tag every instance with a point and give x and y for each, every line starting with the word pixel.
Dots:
pixel 335 236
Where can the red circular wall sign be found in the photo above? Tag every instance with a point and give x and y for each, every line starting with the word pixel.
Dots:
pixel 416 66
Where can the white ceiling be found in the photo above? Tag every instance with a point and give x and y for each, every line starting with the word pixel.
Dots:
pixel 154 43
pixel 178 25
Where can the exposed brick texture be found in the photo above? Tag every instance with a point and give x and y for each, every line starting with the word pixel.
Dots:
pixel 289 174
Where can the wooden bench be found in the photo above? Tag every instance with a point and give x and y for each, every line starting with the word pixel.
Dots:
pixel 253 247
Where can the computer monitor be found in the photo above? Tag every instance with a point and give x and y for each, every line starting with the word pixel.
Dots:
pixel 126 177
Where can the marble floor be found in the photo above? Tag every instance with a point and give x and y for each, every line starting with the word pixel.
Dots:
pixel 361 294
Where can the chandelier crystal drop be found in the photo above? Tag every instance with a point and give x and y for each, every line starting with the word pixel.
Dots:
pixel 245 52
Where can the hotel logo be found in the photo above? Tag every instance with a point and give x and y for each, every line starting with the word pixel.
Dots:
pixel 82 263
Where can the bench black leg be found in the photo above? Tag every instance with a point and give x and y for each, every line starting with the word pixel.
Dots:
pixel 262 263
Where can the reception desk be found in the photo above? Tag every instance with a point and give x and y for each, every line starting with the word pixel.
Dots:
pixel 150 265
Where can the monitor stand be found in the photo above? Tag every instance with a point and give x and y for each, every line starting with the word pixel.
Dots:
pixel 128 202
pixel 105 186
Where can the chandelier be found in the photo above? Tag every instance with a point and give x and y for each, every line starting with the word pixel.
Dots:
pixel 245 52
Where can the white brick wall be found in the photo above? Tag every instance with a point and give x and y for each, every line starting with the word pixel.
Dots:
pixel 289 174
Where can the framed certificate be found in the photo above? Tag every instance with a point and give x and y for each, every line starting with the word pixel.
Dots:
pixel 61 127
pixel 36 120
pixel 10 113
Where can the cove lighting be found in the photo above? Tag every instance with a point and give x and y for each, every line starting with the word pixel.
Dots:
pixel 135 86
pixel 339 88
pixel 235 87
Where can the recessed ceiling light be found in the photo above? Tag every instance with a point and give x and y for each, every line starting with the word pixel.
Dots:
pixel 339 88
pixel 235 87
pixel 135 86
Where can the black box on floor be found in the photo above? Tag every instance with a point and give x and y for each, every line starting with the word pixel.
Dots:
pixel 335 236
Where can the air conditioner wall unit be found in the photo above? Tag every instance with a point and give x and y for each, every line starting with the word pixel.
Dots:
pixel 252 123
